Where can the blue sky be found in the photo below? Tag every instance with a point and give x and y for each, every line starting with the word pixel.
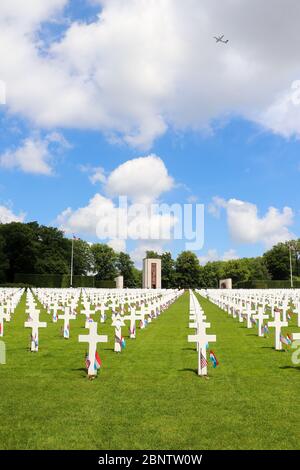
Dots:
pixel 214 142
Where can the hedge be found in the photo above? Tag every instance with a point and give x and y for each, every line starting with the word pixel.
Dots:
pixel 266 284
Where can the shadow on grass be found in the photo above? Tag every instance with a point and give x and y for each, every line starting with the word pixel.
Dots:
pixel 194 371
pixel 290 367
pixel 251 334
pixel 189 349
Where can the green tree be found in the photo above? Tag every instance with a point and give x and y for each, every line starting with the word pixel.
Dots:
pixel 83 258
pixel 278 261
pixel 210 274
pixel 152 255
pixel 125 267
pixel 20 249
pixel 258 269
pixel 53 250
pixel 105 261
pixel 138 278
pixel 187 270
pixel 4 262
pixel 167 271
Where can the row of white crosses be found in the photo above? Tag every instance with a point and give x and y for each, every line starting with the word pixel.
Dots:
pixel 201 338
pixel 33 321
pixel 238 303
pixel 9 299
pixel 93 338
pixel 60 300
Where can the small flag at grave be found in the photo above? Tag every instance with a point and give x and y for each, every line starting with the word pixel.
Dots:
pixel 203 361
pixel 266 330
pixel 87 361
pixel 98 362
pixel 67 332
pixel 132 331
pixel 284 340
pixel 213 359
pixel 289 339
pixel 123 342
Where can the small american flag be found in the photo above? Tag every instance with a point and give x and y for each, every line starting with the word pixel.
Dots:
pixel 203 361
pixel 87 361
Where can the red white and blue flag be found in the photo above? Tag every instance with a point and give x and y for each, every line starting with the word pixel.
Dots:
pixel 98 362
pixel 213 359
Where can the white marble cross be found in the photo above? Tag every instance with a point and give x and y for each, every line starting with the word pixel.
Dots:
pixel 198 323
pixel 297 311
pixel 3 316
pixel 93 339
pixel 67 316
pixel 248 314
pixel 277 324
pixel 260 317
pixel 55 309
pixel 133 316
pixel 202 339
pixel 35 324
pixel 87 311
pixel 118 322
pixel 102 309
pixel 296 337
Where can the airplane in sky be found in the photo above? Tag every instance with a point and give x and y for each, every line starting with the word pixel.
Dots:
pixel 220 39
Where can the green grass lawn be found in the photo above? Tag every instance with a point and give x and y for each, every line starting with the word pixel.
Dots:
pixel 150 396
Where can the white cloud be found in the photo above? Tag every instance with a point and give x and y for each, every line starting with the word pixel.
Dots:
pixel 34 154
pixel 96 174
pixel 146 65
pixel 212 255
pixel 7 216
pixel 117 245
pixel 229 255
pixel 103 219
pixel 283 116
pixel 142 179
pixel 31 13
pixel 246 226
pixel 85 219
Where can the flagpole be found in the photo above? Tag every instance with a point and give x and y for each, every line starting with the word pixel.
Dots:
pixel 72 262
pixel 291 267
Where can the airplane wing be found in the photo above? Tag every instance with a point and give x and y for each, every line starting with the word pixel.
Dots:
pixel 221 37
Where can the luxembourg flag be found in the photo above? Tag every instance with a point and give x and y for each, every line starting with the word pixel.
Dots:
pixel 284 340
pixel 289 339
pixel 98 362
pixel 213 359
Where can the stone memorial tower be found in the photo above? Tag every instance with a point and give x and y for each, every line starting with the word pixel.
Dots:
pixel 151 273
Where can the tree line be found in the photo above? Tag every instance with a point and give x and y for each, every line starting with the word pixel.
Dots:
pixel 30 248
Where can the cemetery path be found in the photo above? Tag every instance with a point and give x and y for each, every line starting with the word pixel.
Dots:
pixel 150 396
